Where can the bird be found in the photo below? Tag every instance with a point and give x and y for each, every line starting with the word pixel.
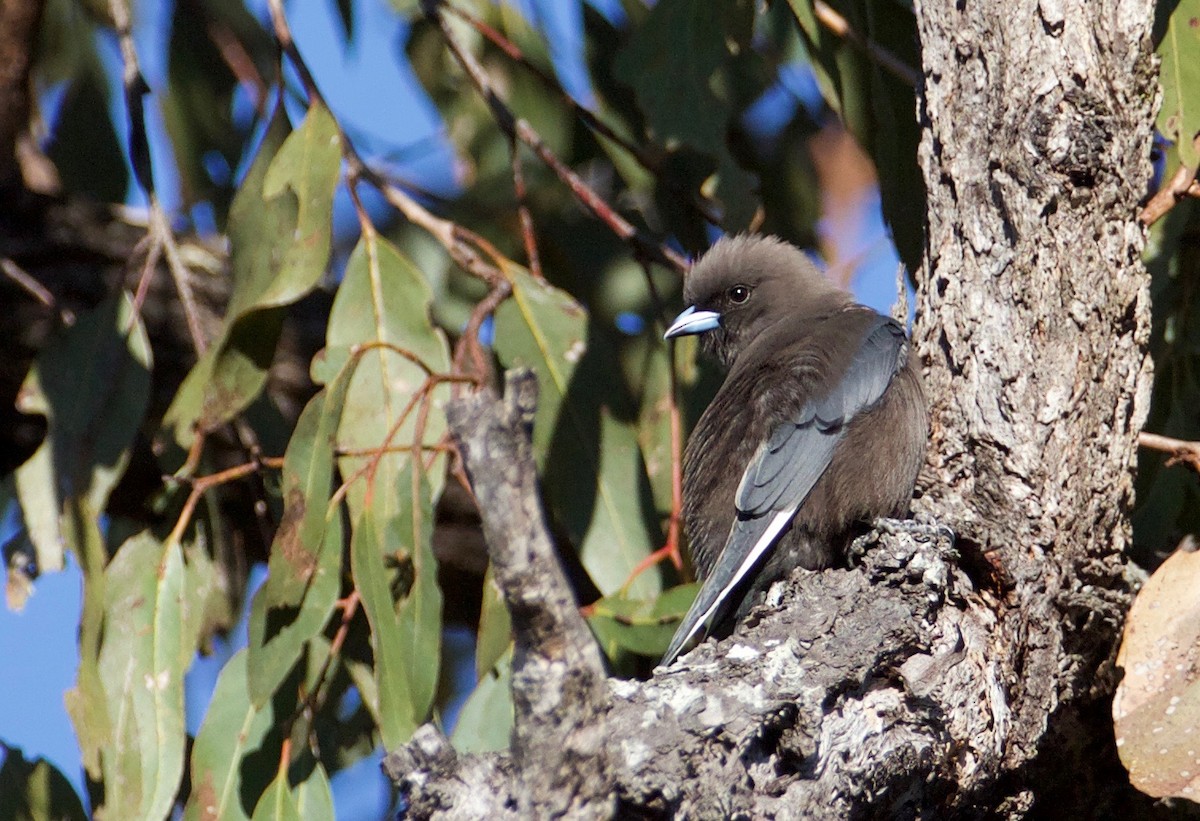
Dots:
pixel 820 425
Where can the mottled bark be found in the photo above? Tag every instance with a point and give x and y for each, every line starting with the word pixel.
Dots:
pixel 927 680
pixel 1033 319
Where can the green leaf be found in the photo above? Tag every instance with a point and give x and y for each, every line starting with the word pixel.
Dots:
pixel 1179 72
pixel 149 641
pixel 495 627
pixel 314 798
pixel 405 634
pixel 303 571
pixel 644 627
pixel 383 305
pixel 875 106
pixel 35 791
pixel 590 462
pixel 486 720
pixel 278 803
pixel 233 730
pixel 672 62
pixel 279 233
pixel 197 101
pixel 85 148
pixel 600 493
pixel 669 62
pixel 92 384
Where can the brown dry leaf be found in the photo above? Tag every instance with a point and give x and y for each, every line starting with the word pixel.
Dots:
pixel 1156 710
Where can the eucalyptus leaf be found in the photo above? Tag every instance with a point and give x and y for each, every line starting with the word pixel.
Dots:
pixel 303 572
pixel 92 384
pixel 1179 73
pixel 233 729
pixel 591 465
pixel 279 233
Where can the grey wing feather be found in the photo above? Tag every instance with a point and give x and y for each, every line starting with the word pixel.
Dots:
pixel 787 466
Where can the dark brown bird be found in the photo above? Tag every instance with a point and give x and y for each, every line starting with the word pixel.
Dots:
pixel 820 424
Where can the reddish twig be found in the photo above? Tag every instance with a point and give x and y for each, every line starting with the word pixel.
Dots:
pixel 523 214
pixel 651 161
pixel 1182 184
pixel 1178 450
pixel 203 484
pixel 838 24
pixel 519 129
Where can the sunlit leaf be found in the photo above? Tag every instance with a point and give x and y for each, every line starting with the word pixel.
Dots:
pixel 592 467
pixel 314 798
pixel 149 641
pixel 92 383
pixel 485 721
pixel 233 729
pixel 644 627
pixel 278 803
pixel 1179 117
pixel 383 305
pixel 405 634
pixel 303 572
pixel 279 232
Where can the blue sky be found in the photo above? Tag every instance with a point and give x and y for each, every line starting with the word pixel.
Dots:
pixel 38 645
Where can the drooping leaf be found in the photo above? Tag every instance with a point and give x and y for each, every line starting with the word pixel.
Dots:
pixel 279 233
pixel 278 803
pixel 35 791
pixel 875 105
pixel 85 147
pixel 405 633
pixel 672 63
pixel 384 301
pixel 1179 73
pixel 592 467
pixel 233 729
pixel 303 572
pixel 314 798
pixel 644 627
pixel 485 721
pixel 197 102
pixel 1157 706
pixel 149 640
pixel 495 627
pixel 92 384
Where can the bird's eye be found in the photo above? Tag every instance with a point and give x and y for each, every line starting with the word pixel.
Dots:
pixel 739 294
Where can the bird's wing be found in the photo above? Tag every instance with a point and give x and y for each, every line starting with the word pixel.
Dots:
pixel 785 468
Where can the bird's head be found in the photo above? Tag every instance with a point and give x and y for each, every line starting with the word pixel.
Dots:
pixel 745 285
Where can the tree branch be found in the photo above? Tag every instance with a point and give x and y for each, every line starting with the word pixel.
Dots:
pixel 559 691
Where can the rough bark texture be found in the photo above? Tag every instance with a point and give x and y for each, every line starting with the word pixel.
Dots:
pixel 1034 322
pixel 929 681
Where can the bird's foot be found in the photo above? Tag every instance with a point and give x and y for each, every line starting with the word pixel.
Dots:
pixel 923 528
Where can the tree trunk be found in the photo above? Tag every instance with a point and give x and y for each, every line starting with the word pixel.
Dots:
pixel 927 679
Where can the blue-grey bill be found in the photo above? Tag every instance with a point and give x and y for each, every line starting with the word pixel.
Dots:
pixel 693 321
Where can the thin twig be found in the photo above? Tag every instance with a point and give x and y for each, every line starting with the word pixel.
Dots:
pixel 838 24
pixel 1182 184
pixel 651 161
pixel 34 288
pixel 203 484
pixel 162 237
pixel 526 218
pixel 1179 450
pixel 521 130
